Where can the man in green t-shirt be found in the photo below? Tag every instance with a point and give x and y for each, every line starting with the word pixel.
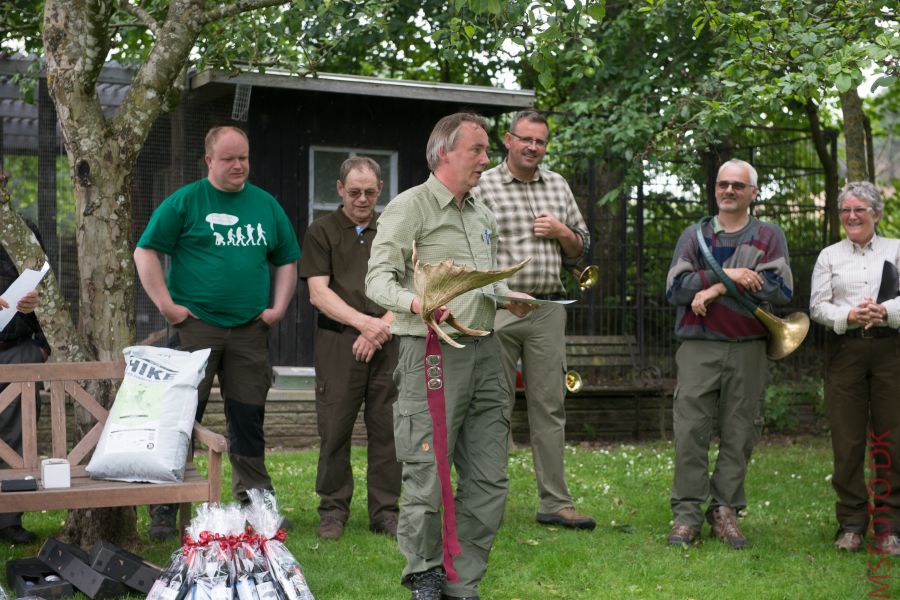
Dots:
pixel 221 233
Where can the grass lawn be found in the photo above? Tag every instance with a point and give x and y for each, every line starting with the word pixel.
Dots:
pixel 790 525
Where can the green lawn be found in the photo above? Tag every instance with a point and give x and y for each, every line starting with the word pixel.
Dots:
pixel 789 522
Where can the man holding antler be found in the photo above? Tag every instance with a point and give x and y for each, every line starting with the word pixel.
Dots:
pixel 443 221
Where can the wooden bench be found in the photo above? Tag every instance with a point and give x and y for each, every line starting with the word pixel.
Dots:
pixel 620 398
pixel 65 381
pixel 610 368
pixel 610 362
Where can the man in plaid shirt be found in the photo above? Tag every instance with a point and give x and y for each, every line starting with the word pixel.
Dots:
pixel 537 217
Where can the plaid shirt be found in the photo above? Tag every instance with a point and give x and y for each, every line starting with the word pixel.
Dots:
pixel 515 204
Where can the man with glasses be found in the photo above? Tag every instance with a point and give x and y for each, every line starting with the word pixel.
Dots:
pixel 355 355
pixel 722 362
pixel 538 218
pixel 442 220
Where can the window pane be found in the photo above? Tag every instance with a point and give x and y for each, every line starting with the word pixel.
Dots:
pixel 384 161
pixel 327 169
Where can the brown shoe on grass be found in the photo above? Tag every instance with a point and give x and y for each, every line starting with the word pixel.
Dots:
pixel 850 541
pixel 567 517
pixel 724 526
pixel 683 534
pixel 890 545
pixel 330 528
pixel 386 525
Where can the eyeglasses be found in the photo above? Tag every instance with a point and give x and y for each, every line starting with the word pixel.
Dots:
pixel 856 211
pixel 357 193
pixel 738 186
pixel 529 140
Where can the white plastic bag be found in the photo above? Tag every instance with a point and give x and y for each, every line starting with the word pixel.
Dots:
pixel 148 429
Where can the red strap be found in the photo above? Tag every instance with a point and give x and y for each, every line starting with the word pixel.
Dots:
pixel 434 391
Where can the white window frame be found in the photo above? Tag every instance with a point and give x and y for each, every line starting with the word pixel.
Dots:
pixel 390 186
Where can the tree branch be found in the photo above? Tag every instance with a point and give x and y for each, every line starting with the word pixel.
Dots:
pixel 241 6
pixel 142 16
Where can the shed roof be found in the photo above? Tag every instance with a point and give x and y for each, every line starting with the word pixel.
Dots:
pixel 20 119
pixel 373 86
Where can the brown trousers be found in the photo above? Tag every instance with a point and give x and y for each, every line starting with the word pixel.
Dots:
pixel 862 399
pixel 343 384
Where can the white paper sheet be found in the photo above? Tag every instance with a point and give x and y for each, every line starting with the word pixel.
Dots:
pixel 27 281
pixel 505 299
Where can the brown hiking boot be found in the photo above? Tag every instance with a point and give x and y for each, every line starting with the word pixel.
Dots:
pixel 566 517
pixel 724 526
pixel 851 541
pixel 683 534
pixel 330 528
pixel 386 525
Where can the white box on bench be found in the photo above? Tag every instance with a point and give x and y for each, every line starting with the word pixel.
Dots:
pixel 56 473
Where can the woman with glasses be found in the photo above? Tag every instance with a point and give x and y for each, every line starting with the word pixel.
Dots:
pixel 854 289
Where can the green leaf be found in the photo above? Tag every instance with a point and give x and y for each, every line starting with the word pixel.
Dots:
pixel 843 82
pixel 884 82
pixel 470 31
pixel 546 80
pixel 597 11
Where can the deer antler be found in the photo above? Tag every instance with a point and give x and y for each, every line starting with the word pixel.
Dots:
pixel 436 285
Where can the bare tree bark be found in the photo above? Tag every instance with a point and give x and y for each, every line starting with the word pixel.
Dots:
pixel 854 136
pixel 870 148
pixel 829 165
pixel 53 312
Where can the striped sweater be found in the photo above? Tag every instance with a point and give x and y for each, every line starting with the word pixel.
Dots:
pixel 758 246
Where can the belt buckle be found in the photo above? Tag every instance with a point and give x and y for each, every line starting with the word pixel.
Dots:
pixel 866 334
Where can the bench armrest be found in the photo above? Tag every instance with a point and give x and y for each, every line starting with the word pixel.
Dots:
pixel 211 439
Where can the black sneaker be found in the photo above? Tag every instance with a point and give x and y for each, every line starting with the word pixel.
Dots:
pixel 162 525
pixel 427 585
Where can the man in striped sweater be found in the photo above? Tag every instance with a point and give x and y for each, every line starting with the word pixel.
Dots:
pixel 722 361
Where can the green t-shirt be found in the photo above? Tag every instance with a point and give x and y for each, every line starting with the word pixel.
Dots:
pixel 221 244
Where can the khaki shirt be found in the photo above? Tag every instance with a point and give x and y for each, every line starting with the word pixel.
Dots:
pixel 428 215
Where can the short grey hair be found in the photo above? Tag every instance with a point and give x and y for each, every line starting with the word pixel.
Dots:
pixel 736 162
pixel 444 135
pixel 359 163
pixel 862 190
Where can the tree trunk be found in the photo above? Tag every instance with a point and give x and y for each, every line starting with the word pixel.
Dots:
pixel 829 165
pixel 101 158
pixel 106 304
pixel 53 312
pixel 854 136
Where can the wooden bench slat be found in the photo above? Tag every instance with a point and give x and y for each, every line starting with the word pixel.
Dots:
pixel 87 443
pixel 95 493
pixel 11 392
pixel 86 401
pixel 61 371
pixel 599 361
pixel 58 419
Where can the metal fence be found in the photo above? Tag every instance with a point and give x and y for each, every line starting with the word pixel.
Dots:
pixel 635 234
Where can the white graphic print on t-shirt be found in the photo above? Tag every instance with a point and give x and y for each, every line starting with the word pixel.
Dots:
pixel 255 236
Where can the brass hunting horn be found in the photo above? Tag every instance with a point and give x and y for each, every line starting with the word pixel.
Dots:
pixel 785 335
pixel 588 277
pixel 574 383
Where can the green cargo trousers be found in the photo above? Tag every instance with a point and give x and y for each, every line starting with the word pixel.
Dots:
pixel 478 433
pixel 539 339
pixel 727 380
